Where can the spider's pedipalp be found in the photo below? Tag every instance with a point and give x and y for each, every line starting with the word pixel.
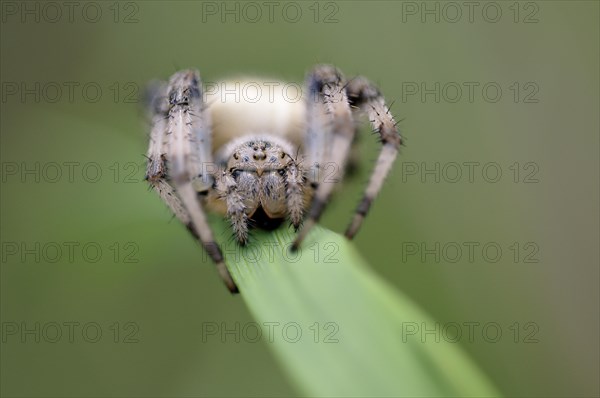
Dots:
pixel 227 188
pixel 327 98
pixel 367 98
pixel 294 192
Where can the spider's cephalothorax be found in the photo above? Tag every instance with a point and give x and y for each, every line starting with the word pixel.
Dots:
pixel 261 184
pixel 261 160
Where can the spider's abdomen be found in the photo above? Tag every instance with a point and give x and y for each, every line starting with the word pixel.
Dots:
pixel 246 106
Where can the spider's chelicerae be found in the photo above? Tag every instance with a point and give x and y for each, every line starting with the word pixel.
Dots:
pixel 259 160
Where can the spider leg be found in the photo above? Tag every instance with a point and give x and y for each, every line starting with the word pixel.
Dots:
pixel 327 94
pixel 156 171
pixel 367 98
pixel 178 142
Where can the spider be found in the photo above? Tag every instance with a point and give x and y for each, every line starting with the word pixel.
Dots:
pixel 259 161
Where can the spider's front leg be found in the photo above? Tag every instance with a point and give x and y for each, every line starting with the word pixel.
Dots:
pixel 180 143
pixel 328 139
pixel 156 171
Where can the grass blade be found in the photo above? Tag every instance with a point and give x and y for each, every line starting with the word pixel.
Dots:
pixel 352 341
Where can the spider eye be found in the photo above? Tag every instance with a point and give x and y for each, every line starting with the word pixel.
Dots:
pixel 235 156
pixel 282 155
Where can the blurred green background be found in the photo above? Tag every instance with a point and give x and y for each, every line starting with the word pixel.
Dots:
pixel 543 55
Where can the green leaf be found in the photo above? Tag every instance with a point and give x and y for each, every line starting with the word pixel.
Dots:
pixel 354 327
